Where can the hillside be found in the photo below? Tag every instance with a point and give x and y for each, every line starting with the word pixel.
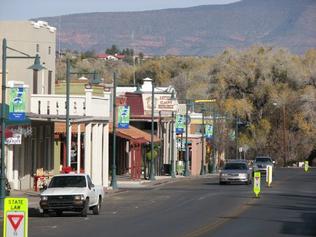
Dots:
pixel 202 30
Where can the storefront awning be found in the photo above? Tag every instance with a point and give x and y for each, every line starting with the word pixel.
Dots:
pixel 61 128
pixel 133 133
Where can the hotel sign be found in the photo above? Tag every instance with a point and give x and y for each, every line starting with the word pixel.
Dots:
pixel 161 102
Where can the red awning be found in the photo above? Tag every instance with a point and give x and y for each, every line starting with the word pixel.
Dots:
pixel 8 133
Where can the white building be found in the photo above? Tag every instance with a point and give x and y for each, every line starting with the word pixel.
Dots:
pixel 39 149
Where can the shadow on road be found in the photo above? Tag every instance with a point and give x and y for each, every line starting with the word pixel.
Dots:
pixel 306 227
pixel 35 212
pixel 306 205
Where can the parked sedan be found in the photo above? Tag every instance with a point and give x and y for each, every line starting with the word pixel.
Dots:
pixel 235 171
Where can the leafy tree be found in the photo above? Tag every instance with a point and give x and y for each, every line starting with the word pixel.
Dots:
pixel 113 50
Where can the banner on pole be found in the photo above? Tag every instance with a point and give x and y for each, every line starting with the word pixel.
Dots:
pixel 123 116
pixel 17 104
pixel 209 131
pixel 180 123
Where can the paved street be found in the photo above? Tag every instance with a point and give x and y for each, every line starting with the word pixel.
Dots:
pixel 197 207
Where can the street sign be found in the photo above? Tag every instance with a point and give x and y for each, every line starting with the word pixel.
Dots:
pixel 269 175
pixel 16 139
pixel 15 217
pixel 256 183
pixel 306 166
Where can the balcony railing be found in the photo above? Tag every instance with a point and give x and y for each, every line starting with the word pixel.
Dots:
pixel 80 105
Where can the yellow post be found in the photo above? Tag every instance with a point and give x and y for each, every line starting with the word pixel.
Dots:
pixel 269 175
pixel 306 166
pixel 256 183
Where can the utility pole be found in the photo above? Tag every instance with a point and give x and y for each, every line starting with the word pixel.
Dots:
pixel 284 138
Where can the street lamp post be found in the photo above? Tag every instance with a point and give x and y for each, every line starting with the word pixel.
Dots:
pixel 67 112
pixel 236 137
pixel 152 168
pixel 68 135
pixel 186 158
pixel 173 173
pixel 36 67
pixel 203 131
pixel 114 178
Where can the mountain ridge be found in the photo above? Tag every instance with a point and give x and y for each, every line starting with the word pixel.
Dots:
pixel 201 30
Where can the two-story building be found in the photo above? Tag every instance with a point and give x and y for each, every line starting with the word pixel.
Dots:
pixel 40 148
pixel 165 108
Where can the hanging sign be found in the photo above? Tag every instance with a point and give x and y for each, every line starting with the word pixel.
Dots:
pixel 180 123
pixel 256 183
pixel 16 139
pixel 209 131
pixel 17 104
pixel 15 217
pixel 123 116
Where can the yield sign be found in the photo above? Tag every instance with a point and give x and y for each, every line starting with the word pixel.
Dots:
pixel 15 220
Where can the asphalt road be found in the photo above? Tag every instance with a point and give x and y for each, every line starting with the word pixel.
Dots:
pixel 197 207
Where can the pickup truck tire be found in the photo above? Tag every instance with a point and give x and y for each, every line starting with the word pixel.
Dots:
pixel 45 212
pixel 85 209
pixel 96 208
pixel 59 212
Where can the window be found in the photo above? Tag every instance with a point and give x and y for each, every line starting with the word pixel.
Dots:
pixel 49 50
pixel 37 48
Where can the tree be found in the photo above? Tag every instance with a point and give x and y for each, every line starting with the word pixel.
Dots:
pixel 113 50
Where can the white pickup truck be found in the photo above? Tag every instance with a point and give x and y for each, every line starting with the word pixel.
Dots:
pixel 72 192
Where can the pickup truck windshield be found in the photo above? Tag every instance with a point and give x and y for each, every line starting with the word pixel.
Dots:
pixel 235 166
pixel 263 159
pixel 68 181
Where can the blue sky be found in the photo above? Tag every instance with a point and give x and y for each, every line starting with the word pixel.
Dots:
pixel 26 9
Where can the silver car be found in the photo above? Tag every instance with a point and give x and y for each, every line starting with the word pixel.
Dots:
pixel 235 171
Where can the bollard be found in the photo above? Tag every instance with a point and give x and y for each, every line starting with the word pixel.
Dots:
pixel 256 183
pixel 306 166
pixel 269 175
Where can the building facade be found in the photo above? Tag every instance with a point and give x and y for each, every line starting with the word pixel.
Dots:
pixel 26 39
pixel 39 153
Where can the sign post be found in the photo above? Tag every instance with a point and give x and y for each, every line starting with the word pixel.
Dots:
pixel 256 183
pixel 306 166
pixel 269 175
pixel 15 217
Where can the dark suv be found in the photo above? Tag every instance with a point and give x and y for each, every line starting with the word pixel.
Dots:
pixel 261 162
